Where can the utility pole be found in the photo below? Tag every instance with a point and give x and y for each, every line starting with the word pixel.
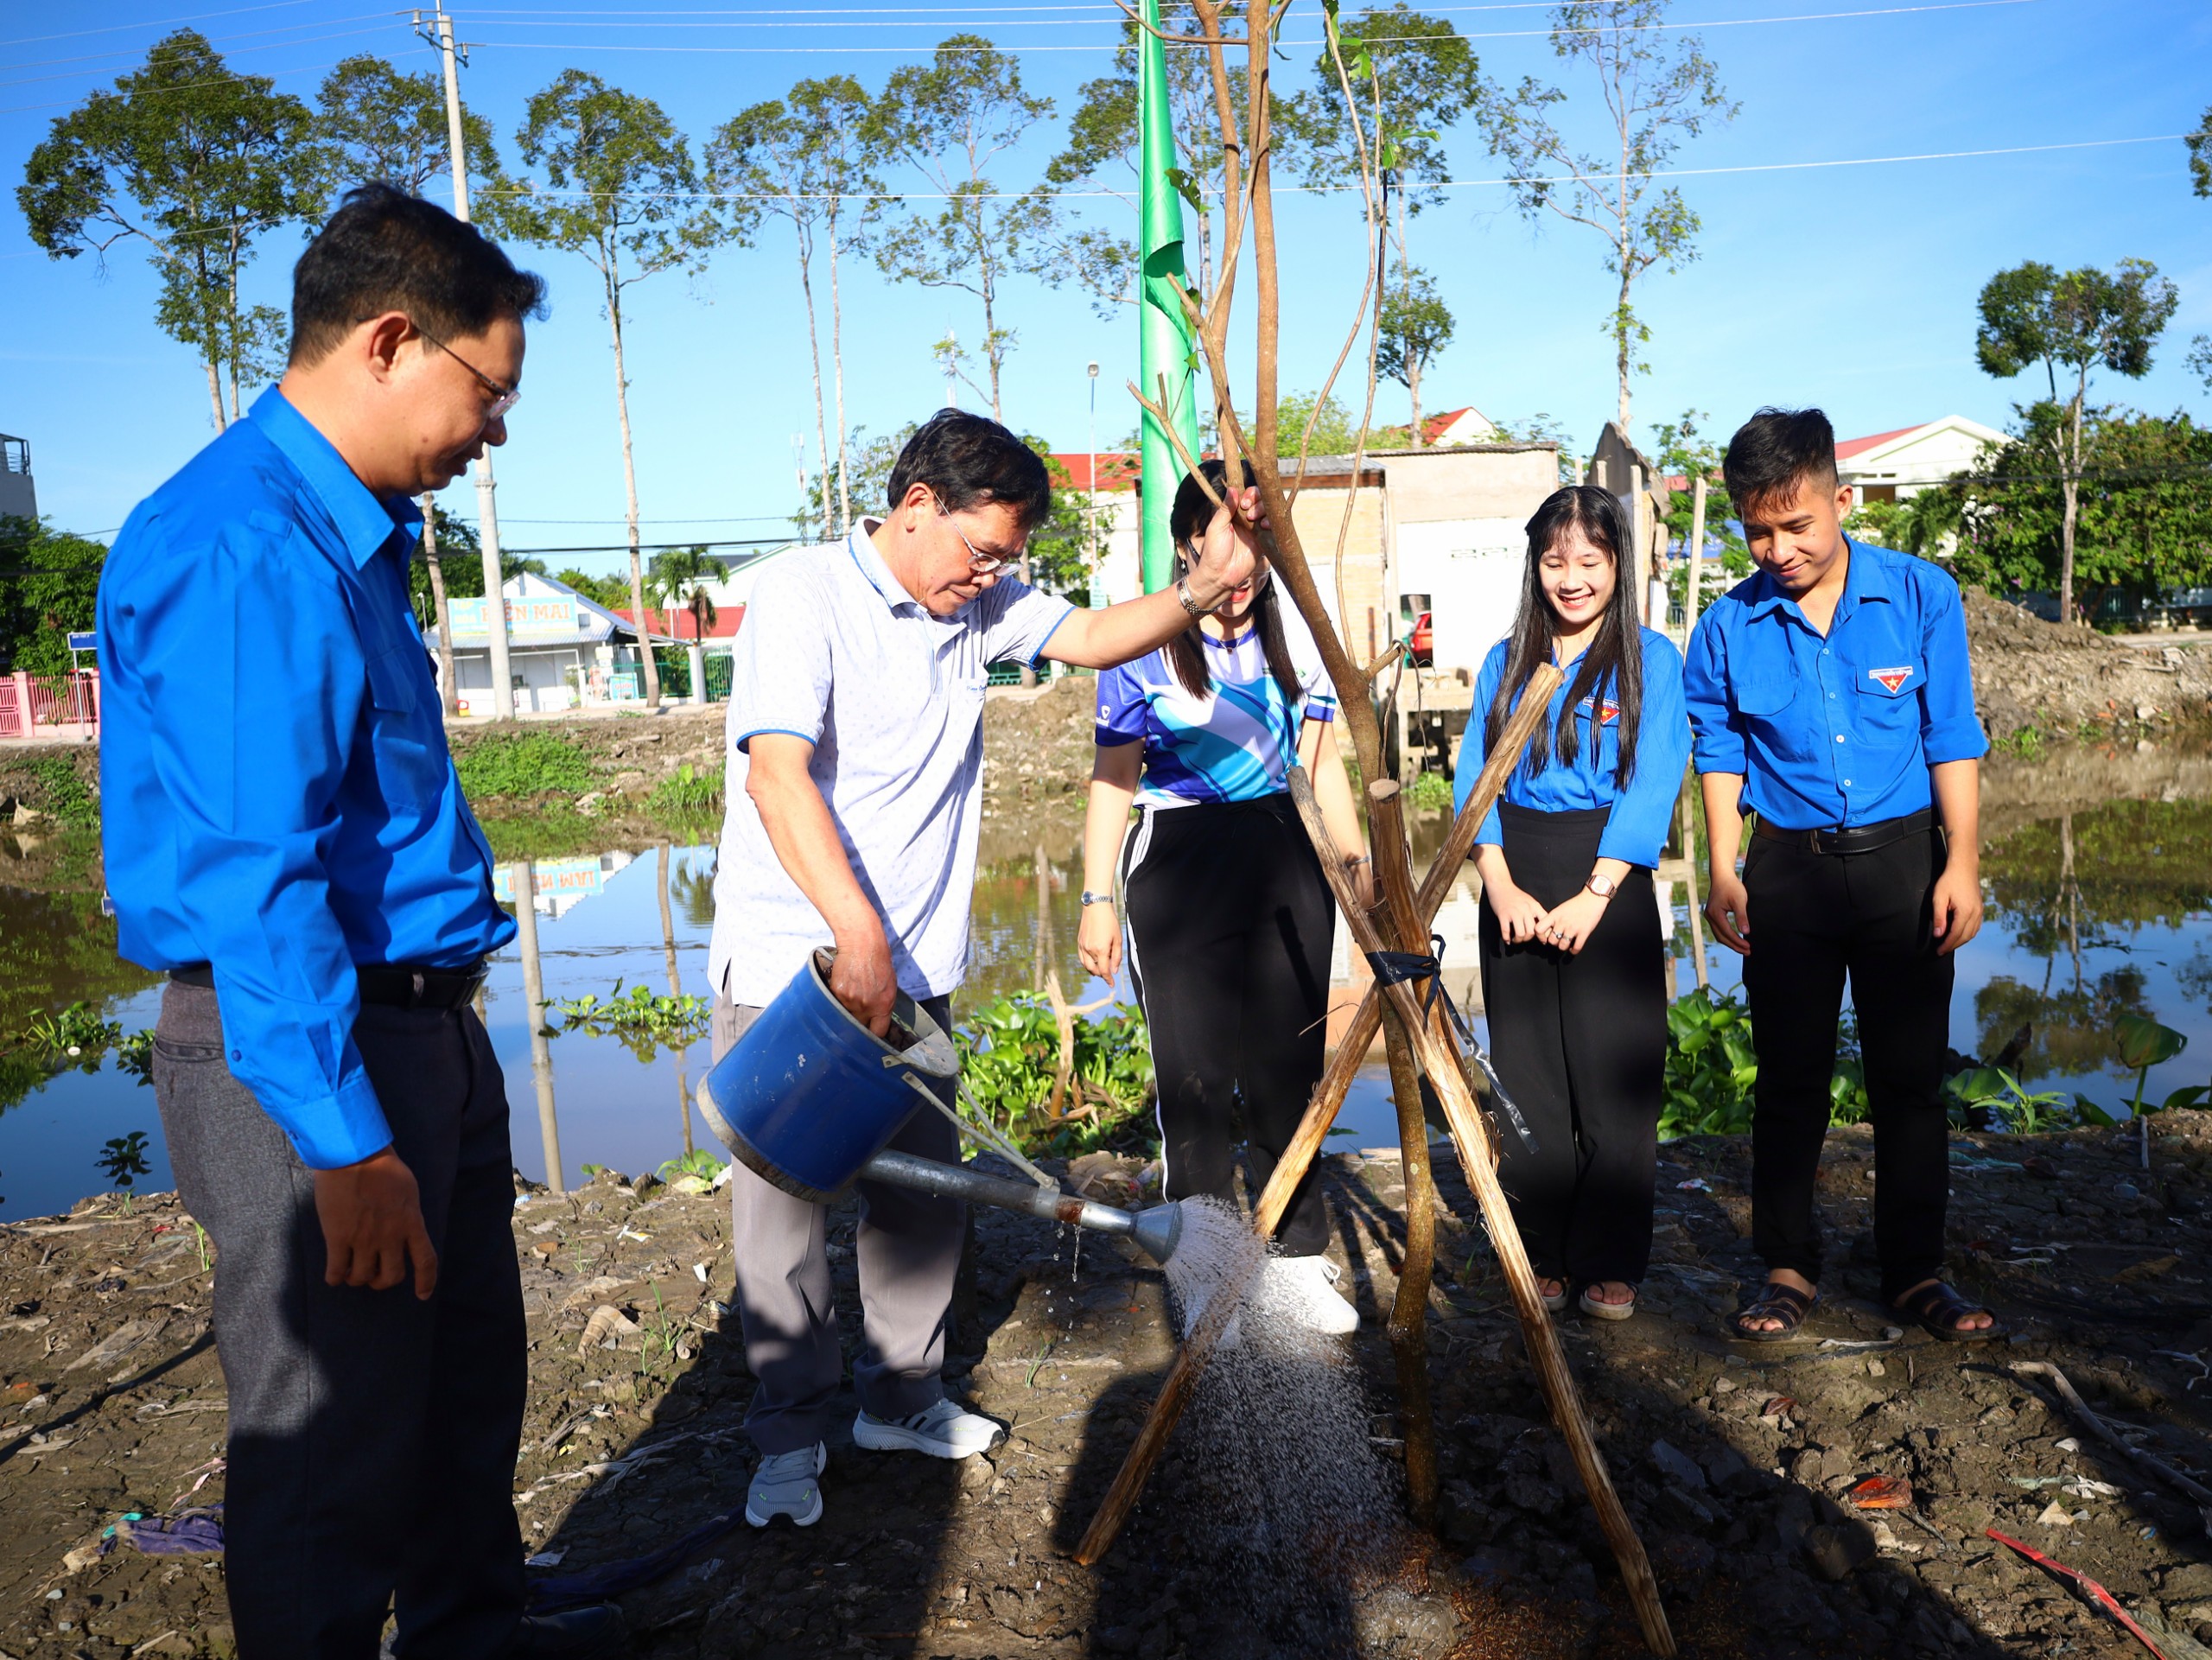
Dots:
pixel 1092 371
pixel 487 513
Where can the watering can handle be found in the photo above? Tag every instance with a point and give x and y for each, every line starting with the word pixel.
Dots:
pixel 981 1129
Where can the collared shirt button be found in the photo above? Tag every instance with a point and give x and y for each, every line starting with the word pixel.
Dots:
pixel 1839 737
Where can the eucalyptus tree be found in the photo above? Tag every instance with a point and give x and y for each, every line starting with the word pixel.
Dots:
pixel 2199 173
pixel 1658 88
pixel 1406 79
pixel 192 161
pixel 810 158
pixel 952 120
pixel 2077 321
pixel 620 189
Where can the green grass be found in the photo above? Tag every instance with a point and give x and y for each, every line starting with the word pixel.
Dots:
pixel 65 797
pixel 687 794
pixel 526 764
pixel 1430 789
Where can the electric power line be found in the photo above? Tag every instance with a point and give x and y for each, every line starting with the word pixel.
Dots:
pixel 165 22
pixel 267 45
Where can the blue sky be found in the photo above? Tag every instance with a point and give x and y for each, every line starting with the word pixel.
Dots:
pixel 1852 287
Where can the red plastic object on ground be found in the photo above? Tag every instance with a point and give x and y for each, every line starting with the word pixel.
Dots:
pixel 2096 1592
pixel 1880 1493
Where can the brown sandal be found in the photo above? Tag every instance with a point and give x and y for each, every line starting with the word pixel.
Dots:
pixel 1776 1302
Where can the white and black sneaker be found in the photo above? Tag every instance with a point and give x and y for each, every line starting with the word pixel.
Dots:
pixel 942 1430
pixel 784 1484
pixel 1306 1286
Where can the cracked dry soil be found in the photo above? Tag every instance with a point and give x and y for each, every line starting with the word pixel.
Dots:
pixel 1734 1461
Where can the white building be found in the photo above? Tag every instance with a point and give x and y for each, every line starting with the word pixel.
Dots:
pixel 18 495
pixel 563 650
pixel 1888 465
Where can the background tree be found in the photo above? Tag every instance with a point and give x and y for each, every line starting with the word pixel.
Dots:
pixel 1659 88
pixel 952 120
pixel 2143 502
pixel 194 162
pixel 609 591
pixel 372 122
pixel 814 157
pixel 1060 549
pixel 1543 428
pixel 464 577
pixel 870 462
pixel 681 579
pixel 2079 322
pixel 1414 326
pixel 1412 78
pixel 2199 173
pixel 49 582
pixel 620 190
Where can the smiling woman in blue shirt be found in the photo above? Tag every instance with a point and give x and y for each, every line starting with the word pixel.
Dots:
pixel 285 837
pixel 1574 965
pixel 1832 701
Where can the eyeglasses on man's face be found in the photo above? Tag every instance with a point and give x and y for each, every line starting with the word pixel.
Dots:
pixel 982 561
pixel 503 398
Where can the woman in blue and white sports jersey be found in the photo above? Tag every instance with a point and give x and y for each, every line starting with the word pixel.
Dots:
pixel 1230 917
pixel 1575 970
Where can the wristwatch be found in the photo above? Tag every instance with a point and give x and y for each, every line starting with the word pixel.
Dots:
pixel 1602 886
pixel 1190 602
pixel 1089 898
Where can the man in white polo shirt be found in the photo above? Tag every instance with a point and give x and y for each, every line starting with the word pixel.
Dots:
pixel 854 764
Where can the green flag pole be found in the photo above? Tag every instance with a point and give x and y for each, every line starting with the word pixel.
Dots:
pixel 1164 343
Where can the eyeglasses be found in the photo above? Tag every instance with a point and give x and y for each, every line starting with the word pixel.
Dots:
pixel 980 562
pixel 503 398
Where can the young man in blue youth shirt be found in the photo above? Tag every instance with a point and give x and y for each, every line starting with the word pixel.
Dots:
pixel 1830 697
pixel 284 835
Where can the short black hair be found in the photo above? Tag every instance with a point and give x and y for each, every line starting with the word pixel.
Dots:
pixel 1775 451
pixel 386 251
pixel 970 460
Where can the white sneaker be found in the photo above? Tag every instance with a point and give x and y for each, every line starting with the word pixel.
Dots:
pixel 1307 1286
pixel 943 1430
pixel 784 1484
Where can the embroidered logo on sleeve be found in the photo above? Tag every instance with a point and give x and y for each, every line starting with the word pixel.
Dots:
pixel 1889 679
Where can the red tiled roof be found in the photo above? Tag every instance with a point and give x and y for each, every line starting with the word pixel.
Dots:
pixel 1116 470
pixel 1434 427
pixel 1846 448
pixel 678 621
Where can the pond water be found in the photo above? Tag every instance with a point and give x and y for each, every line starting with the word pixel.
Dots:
pixel 2099 880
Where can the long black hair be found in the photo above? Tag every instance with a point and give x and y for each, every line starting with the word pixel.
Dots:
pixel 1612 662
pixel 1187 524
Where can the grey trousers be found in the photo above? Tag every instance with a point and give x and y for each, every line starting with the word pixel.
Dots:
pixel 372 1436
pixel 909 1249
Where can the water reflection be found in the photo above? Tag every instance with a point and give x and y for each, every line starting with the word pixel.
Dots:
pixel 2097 906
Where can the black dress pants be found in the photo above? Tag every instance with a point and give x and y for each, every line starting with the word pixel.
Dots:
pixel 1580 1043
pixel 1816 918
pixel 1231 921
pixel 372 1436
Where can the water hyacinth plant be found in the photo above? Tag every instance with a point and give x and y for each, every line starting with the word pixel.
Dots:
pixel 1009 1057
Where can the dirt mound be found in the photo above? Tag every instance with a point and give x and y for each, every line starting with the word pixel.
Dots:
pixel 2029 673
pixel 1037 744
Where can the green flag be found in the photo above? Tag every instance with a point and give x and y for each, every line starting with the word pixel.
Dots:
pixel 1164 344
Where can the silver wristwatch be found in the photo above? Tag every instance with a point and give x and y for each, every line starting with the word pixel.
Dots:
pixel 1089 898
pixel 1190 602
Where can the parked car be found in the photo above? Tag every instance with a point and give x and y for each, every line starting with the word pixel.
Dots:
pixel 1422 643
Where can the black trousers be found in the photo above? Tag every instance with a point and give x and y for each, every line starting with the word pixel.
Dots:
pixel 372 1436
pixel 1580 1043
pixel 1814 918
pixel 1231 921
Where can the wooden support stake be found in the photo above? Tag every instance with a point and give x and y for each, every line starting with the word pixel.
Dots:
pixel 1439 1060
pixel 1320 1114
pixel 1408 1323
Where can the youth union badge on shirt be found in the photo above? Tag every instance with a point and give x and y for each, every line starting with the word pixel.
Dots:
pixel 1606 714
pixel 1889 679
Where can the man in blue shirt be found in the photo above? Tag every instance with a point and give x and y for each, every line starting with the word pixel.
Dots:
pixel 1830 697
pixel 284 835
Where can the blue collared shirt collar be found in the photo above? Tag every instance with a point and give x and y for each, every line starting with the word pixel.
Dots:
pixel 365 523
pixel 860 544
pixel 1864 579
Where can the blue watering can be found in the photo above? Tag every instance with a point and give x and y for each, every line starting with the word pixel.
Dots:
pixel 809 1098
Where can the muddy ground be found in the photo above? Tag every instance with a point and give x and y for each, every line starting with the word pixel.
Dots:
pixel 1733 1459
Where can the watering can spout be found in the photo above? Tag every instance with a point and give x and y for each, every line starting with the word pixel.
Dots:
pixel 1156 1231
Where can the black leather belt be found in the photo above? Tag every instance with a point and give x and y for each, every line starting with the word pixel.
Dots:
pixel 1860 838
pixel 395 985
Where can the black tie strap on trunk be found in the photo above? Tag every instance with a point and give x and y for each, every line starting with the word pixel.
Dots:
pixel 1400 968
